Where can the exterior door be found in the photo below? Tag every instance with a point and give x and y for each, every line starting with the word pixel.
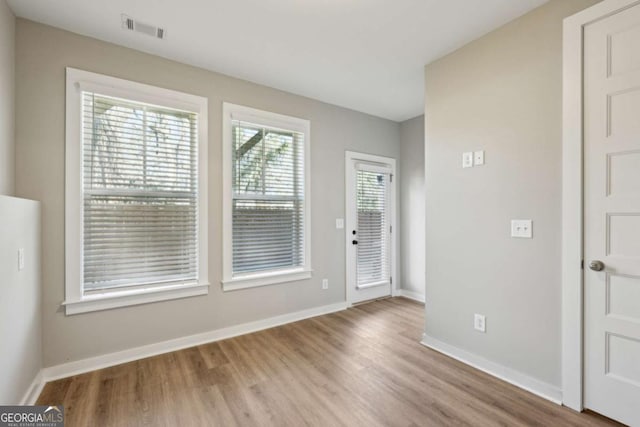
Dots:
pixel 369 230
pixel 612 215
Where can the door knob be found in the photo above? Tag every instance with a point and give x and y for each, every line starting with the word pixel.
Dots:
pixel 596 265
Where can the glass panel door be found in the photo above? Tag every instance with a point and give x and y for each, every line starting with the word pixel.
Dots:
pixel 373 227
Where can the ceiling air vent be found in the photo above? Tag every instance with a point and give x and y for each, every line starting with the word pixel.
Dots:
pixel 131 24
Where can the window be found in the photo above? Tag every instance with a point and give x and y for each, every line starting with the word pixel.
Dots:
pixel 136 193
pixel 266 198
pixel 373 225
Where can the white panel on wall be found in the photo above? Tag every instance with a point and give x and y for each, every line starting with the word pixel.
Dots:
pixel 20 309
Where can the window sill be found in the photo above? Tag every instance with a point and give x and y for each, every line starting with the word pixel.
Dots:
pixel 111 300
pixel 262 279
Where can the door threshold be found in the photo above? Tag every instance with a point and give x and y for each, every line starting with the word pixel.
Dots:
pixel 355 304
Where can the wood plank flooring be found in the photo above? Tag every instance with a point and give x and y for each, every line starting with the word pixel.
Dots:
pixel 359 367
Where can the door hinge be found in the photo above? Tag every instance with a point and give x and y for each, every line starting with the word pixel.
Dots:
pixel 391 229
pixel 391 280
pixel 390 177
pixel 582 264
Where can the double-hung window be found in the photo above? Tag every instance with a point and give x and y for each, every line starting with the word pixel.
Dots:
pixel 136 227
pixel 266 198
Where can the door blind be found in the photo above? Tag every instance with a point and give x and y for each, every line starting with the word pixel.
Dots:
pixel 268 199
pixel 373 247
pixel 139 194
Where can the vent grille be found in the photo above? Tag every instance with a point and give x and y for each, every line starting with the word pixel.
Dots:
pixel 131 24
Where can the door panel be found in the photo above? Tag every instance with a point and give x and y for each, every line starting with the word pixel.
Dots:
pixel 612 215
pixel 623 294
pixel 369 228
pixel 624 173
pixel 372 229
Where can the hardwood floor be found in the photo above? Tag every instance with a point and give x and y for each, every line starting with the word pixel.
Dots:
pixel 359 367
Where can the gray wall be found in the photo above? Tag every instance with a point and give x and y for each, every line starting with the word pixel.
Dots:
pixel 412 217
pixel 20 309
pixel 42 55
pixel 501 93
pixel 7 117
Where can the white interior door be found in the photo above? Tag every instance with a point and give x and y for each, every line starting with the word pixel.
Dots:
pixel 370 246
pixel 612 216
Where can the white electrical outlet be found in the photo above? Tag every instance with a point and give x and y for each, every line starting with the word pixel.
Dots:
pixel 325 283
pixel 478 158
pixel 20 259
pixel 339 223
pixel 479 323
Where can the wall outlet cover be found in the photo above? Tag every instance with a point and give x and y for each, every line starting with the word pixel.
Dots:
pixel 478 158
pixel 480 323
pixel 467 159
pixel 20 259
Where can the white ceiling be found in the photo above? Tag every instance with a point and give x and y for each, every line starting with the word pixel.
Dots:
pixel 367 55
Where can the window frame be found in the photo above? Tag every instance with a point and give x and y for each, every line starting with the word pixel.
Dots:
pixel 76 300
pixel 271 120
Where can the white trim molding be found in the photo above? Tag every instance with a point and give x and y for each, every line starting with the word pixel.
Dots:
pixel 518 379
pixel 413 295
pixel 572 201
pixel 104 361
pixel 33 392
pixel 135 297
pixel 76 299
pixel 256 280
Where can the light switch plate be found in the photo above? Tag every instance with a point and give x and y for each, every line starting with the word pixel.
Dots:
pixel 522 228
pixel 478 158
pixel 467 159
pixel 339 223
pixel 480 323
pixel 20 259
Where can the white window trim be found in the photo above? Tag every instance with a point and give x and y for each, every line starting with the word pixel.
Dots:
pixel 75 299
pixel 263 118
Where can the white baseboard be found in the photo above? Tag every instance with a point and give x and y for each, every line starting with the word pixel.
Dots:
pixel 112 359
pixel 416 296
pixel 34 390
pixel 532 385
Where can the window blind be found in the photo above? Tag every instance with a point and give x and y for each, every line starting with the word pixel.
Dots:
pixel 373 249
pixel 139 166
pixel 268 199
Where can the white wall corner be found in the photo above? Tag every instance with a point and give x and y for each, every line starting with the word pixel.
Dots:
pixel 416 296
pixel 33 392
pixel 539 388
